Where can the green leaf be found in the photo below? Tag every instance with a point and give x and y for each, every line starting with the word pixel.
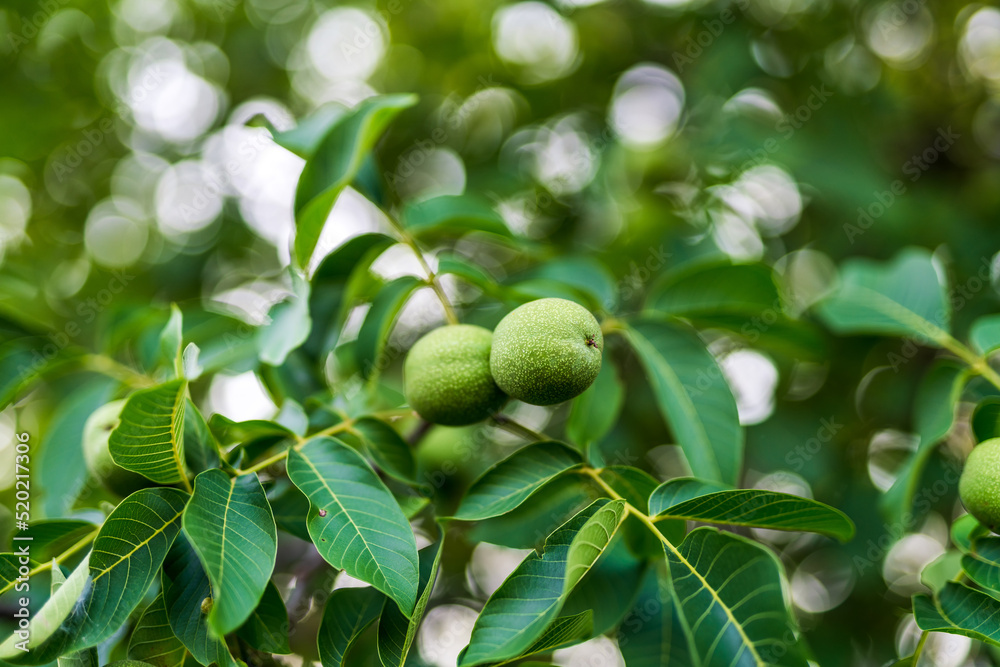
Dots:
pixel 267 628
pixel 564 631
pixel 229 524
pixel 610 588
pixel 959 610
pixel 934 414
pixel 334 164
pixel 396 632
pixel 354 521
pixel 290 508
pixel 510 482
pixel 589 278
pixel 453 215
pixel 902 297
pixel 229 432
pixel 123 563
pixel 389 451
pixel 526 603
pixel 986 419
pixel 153 641
pixel 374 333
pixel 730 595
pixel 653 633
pixel 984 335
pixel 329 301
pixel 201 449
pixel 450 263
pixel 763 509
pixel 964 531
pixel 716 288
pixel 595 411
pixel 171 339
pixel 148 438
pixel 186 593
pixel 49 538
pixel 348 612
pixel 9 565
pixel 941 570
pixel 288 326
pixel 982 563
pixel 305 138
pixel 693 396
pixel 677 490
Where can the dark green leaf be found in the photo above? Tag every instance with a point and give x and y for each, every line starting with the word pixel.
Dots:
pixel 986 419
pixel 595 411
pixel 396 632
pixel 148 439
pixel 201 449
pixel 229 524
pixel 959 610
pixel 389 451
pixel 452 215
pixel 679 489
pixel 716 288
pixel 348 611
pixel 354 521
pixel 511 481
pixel 187 592
pixel 653 633
pixel 982 563
pixel 526 603
pixel 693 396
pixel 374 333
pixel 730 594
pixel 153 641
pixel 564 631
pixel 50 538
pixel 965 530
pixel 267 628
pixel 764 509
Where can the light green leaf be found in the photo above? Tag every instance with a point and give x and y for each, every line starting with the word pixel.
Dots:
pixel 336 161
pixel 510 482
pixel 959 610
pixel 171 339
pixel 964 531
pixel 153 641
pixel 148 439
pixel 191 368
pixel 348 612
pixel 229 524
pixel 653 633
pixel 453 215
pixel 595 411
pixel 902 297
pixel 693 396
pixel 267 628
pixel 288 326
pixel 53 627
pixel 716 288
pixel 610 588
pixel 526 603
pixel 187 595
pixel 305 138
pixel 378 323
pixel 984 334
pixel 450 263
pixel 354 521
pixel 941 570
pixel 731 598
pixel 396 632
pixel 763 509
pixel 934 413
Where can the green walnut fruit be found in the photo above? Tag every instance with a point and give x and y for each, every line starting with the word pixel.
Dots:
pixel 546 351
pixel 447 376
pixel 979 485
pixel 96 455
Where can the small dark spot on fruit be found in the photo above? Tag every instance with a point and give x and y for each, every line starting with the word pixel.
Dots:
pixel 322 512
pixel 591 341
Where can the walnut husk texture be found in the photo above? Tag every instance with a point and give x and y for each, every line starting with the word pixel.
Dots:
pixel 546 351
pixel 979 485
pixel 447 376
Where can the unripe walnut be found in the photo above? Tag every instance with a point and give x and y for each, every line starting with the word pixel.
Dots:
pixel 546 351
pixel 447 376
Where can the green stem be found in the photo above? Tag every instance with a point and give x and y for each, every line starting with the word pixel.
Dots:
pixel 920 647
pixel 58 559
pixel 432 279
pixel 105 365
pixel 340 427
pixel 511 426
pixel 977 363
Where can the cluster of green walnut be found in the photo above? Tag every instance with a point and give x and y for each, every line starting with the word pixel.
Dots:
pixel 544 352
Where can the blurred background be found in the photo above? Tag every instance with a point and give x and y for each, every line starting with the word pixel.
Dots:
pixel 136 170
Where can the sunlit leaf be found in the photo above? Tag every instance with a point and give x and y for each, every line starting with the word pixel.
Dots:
pixel 148 439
